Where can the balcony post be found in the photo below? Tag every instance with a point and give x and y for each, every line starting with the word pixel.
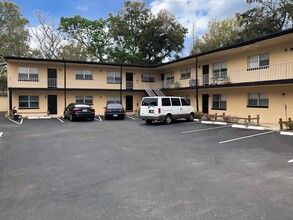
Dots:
pixel 196 82
pixel 121 85
pixel 64 84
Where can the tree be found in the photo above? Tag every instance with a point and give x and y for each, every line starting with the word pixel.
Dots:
pixel 269 16
pixel 219 34
pixel 92 36
pixel 143 38
pixel 14 36
pixel 48 38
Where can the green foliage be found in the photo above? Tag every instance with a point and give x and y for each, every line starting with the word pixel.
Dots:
pixel 198 115
pixel 289 125
pixel 92 36
pixel 13 35
pixel 3 82
pixel 219 34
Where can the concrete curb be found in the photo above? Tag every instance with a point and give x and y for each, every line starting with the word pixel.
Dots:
pixel 248 127
pixel 214 122
pixel 43 117
pixel 286 133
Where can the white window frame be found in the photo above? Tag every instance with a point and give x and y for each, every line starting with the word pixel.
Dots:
pixel 28 74
pixel 261 100
pixel 220 70
pixel 113 99
pixel 221 102
pixel 258 61
pixel 30 100
pixel 84 100
pixel 148 77
pixel 185 73
pixel 113 77
pixel 169 78
pixel 85 74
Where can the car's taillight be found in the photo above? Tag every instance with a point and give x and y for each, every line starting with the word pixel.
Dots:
pixel 108 110
pixel 92 109
pixel 122 110
pixel 76 109
pixel 159 110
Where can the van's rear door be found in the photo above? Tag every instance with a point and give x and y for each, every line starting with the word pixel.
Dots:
pixel 149 107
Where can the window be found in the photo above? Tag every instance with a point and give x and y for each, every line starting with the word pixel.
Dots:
pixel 185 74
pixel 219 101
pixel 170 78
pixel 184 102
pixel 220 70
pixel 84 100
pixel 175 102
pixel 113 77
pixel 28 74
pixel 187 98
pixel 258 100
pixel 166 102
pixel 149 102
pixel 258 61
pixel 84 74
pixel 113 99
pixel 28 101
pixel 148 77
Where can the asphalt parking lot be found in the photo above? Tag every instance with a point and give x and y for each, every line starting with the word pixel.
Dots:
pixel 125 169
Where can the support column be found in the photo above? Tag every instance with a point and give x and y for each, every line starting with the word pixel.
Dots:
pixel 196 83
pixel 65 85
pixel 121 85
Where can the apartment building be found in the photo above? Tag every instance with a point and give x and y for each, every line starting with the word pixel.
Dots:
pixel 249 78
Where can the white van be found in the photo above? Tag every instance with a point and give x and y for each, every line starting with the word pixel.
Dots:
pixel 165 108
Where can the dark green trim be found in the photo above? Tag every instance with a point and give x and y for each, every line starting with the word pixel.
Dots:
pixel 219 109
pixel 253 106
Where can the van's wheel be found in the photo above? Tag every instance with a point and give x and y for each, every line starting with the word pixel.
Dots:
pixel 148 121
pixel 191 117
pixel 168 119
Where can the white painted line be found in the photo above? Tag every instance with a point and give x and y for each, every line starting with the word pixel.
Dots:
pixel 100 118
pixel 19 123
pixel 130 117
pixel 43 117
pixel 248 127
pixel 286 133
pixel 290 161
pixel 206 122
pixel 205 129
pixel 60 120
pixel 1 133
pixel 245 137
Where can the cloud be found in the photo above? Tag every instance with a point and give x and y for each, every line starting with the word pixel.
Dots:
pixel 199 12
pixel 81 8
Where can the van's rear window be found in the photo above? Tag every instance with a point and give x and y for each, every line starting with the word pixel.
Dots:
pixel 150 102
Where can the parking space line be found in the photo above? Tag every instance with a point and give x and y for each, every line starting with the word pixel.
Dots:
pixel 60 120
pixel 184 123
pixel 100 118
pixel 19 123
pixel 130 117
pixel 290 161
pixel 1 133
pixel 245 137
pixel 204 129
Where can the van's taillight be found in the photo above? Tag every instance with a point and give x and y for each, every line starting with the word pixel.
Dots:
pixel 159 110
pixel 76 109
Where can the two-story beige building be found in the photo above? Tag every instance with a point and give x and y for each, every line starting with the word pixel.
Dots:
pixel 249 78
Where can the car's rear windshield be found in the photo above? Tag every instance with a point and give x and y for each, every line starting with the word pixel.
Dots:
pixel 114 106
pixel 149 102
pixel 81 106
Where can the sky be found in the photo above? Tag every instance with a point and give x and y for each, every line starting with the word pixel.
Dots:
pixel 187 12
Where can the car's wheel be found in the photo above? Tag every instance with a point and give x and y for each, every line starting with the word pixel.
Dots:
pixel 168 119
pixel 191 117
pixel 71 118
pixel 148 121
pixel 106 118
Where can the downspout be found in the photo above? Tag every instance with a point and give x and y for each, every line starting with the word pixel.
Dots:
pixel 121 85
pixel 10 99
pixel 64 84
pixel 196 82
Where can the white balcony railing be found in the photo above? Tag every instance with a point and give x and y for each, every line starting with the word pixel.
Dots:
pixel 281 71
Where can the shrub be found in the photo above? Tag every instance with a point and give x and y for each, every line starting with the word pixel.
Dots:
pixel 198 115
pixel 289 125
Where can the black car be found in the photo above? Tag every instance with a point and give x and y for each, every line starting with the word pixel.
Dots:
pixel 114 111
pixel 74 110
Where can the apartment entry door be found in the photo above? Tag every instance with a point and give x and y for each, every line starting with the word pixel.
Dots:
pixel 52 104
pixel 129 81
pixel 205 103
pixel 129 103
pixel 52 78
